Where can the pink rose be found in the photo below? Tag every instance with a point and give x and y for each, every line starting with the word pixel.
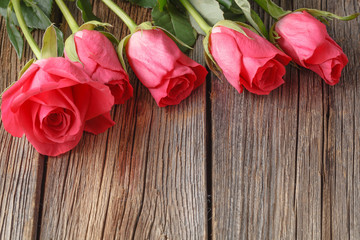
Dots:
pixel 159 64
pixel 306 40
pixel 53 103
pixel 247 61
pixel 102 64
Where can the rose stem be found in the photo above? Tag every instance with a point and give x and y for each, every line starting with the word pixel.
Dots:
pixel 198 18
pixel 68 17
pixel 124 17
pixel 29 38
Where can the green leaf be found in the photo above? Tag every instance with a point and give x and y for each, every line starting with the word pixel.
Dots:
pixel 234 17
pixel 3 7
pixel 210 10
pixel 232 11
pixel 44 5
pixel 226 3
pixel 14 35
pixel 34 15
pixel 162 4
pixel 176 23
pixel 246 8
pixel 327 15
pixel 120 50
pixel 49 48
pixel 111 37
pixel 59 42
pixel 86 10
pixel 144 3
pixel 27 65
pixel 70 49
pixel 274 10
pixel 36 12
pixel 259 23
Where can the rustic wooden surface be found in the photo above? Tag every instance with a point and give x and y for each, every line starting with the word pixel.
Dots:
pixel 220 165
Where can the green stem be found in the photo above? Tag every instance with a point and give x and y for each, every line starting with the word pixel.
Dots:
pixel 198 18
pixel 124 17
pixel 29 38
pixel 68 17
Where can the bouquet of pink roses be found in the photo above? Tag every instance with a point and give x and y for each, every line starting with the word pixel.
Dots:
pixel 72 86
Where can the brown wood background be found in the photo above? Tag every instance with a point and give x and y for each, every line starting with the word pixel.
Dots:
pixel 220 165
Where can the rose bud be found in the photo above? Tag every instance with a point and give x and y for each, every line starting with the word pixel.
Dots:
pixel 306 40
pixel 159 64
pixel 101 63
pixel 53 103
pixel 249 60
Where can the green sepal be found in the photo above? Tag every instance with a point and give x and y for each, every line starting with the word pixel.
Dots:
pixel 111 37
pixel 27 65
pixel 70 49
pixel 235 26
pixel 91 25
pixel 324 15
pixel 60 42
pixel 210 61
pixel 273 35
pixel 120 50
pixel 144 26
pixel 49 47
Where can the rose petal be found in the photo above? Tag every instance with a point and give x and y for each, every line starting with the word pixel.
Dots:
pixel 118 82
pixel 152 55
pixel 99 124
pixel 94 49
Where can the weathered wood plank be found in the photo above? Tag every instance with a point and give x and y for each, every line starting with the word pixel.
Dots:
pixel 21 166
pixel 286 166
pixel 253 169
pixel 342 179
pixel 143 179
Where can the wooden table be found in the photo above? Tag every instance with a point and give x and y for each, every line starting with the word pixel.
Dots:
pixel 219 165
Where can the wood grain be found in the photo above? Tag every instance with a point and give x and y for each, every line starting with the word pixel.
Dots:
pixel 143 179
pixel 21 167
pixel 341 193
pixel 285 166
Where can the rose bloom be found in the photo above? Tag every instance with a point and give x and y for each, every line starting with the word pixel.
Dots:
pixel 306 40
pixel 53 103
pixel 101 63
pixel 248 61
pixel 159 64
